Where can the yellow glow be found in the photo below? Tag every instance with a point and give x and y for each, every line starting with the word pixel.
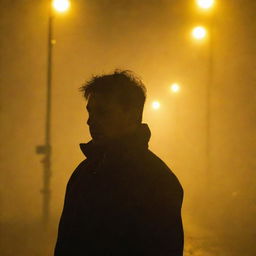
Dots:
pixel 199 33
pixel 61 5
pixel 155 105
pixel 175 87
pixel 205 4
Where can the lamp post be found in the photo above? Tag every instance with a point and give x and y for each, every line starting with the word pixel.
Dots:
pixel 58 6
pixel 201 33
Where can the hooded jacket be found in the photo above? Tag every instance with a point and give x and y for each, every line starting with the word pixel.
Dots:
pixel 121 200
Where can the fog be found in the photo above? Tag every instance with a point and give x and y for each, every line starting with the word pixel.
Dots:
pixel 153 39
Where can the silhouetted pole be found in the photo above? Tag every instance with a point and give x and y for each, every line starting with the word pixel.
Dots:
pixel 209 96
pixel 59 6
pixel 47 163
pixel 46 148
pixel 205 6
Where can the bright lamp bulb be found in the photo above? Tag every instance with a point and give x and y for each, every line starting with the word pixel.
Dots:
pixel 205 4
pixel 175 87
pixel 199 33
pixel 61 5
pixel 155 105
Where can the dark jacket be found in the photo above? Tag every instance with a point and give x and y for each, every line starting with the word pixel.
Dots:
pixel 122 200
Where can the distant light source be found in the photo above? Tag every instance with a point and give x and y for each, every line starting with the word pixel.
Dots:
pixel 61 5
pixel 156 105
pixel 205 4
pixel 199 33
pixel 175 87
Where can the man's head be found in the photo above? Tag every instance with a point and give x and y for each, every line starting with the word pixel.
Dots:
pixel 115 104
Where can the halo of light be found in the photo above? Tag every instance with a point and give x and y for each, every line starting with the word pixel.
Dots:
pixel 156 105
pixel 61 5
pixel 199 33
pixel 205 4
pixel 175 87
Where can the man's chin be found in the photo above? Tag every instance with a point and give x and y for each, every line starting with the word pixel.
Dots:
pixel 102 140
pixel 99 139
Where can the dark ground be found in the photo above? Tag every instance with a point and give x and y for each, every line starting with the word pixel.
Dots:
pixel 25 239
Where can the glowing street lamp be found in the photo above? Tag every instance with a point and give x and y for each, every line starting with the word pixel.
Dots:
pixel 156 105
pixel 175 87
pixel 199 33
pixel 61 5
pixel 205 4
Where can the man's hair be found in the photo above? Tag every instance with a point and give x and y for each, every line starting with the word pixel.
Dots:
pixel 122 86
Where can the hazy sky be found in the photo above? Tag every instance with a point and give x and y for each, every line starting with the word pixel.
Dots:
pixel 152 38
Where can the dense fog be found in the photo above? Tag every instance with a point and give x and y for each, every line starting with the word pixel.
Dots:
pixel 205 132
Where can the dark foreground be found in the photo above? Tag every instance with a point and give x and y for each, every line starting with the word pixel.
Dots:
pixel 35 239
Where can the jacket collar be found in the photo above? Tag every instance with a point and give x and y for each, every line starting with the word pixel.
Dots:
pixel 136 140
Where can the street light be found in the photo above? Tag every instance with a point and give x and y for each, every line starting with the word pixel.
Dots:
pixel 61 5
pixel 175 87
pixel 205 4
pixel 199 33
pixel 58 6
pixel 156 105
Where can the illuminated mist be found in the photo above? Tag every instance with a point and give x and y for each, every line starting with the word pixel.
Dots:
pixel 200 107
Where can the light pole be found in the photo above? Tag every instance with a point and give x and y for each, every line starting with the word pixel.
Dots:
pixel 200 33
pixel 58 6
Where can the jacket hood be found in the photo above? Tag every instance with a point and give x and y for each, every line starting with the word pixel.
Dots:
pixel 138 140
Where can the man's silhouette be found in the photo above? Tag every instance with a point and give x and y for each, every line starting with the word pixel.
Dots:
pixel 123 199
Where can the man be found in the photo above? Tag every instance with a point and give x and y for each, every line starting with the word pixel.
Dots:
pixel 121 200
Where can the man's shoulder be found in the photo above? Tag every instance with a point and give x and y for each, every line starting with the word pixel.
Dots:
pixel 161 171
pixel 80 166
pixel 155 162
pixel 78 170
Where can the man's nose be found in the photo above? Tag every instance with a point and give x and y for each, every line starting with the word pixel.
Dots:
pixel 90 120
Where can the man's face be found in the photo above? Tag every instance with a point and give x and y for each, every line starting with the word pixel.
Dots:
pixel 107 119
